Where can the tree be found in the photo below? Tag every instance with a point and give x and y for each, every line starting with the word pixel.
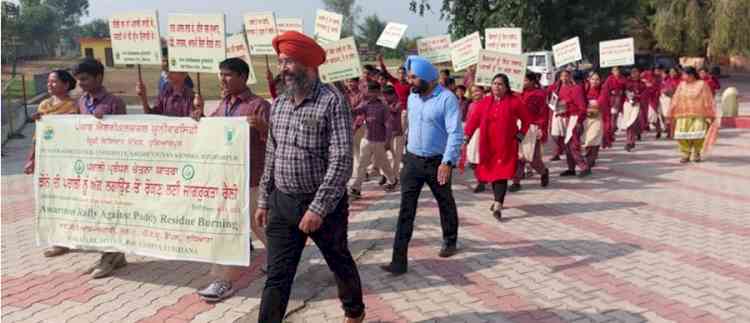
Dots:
pixel 640 26
pixel 682 26
pixel 544 22
pixel 10 33
pixel 347 9
pixel 369 31
pixel 97 28
pixel 730 33
pixel 39 25
pixel 70 13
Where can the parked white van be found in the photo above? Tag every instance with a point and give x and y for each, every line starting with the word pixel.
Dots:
pixel 542 62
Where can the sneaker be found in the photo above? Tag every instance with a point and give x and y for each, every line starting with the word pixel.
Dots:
pixel 515 187
pixel 107 264
pixel 568 173
pixel 389 187
pixel 555 158
pixel 383 181
pixel 585 173
pixel 355 194
pixel 216 291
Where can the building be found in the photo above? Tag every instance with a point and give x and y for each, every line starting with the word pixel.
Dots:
pixel 97 48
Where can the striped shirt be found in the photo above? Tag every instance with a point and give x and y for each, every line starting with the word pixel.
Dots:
pixel 309 150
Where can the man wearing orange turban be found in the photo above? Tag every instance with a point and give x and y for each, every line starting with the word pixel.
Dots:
pixel 303 190
pixel 300 48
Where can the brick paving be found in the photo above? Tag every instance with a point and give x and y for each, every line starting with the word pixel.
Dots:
pixel 645 239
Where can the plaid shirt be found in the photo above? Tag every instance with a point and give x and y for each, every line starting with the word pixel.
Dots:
pixel 309 150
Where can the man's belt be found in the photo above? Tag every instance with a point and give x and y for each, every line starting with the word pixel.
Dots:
pixel 431 158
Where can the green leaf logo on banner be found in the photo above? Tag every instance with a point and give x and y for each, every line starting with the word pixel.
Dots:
pixel 188 172
pixel 229 135
pixel 79 167
pixel 49 133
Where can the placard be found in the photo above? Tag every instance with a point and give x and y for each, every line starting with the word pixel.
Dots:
pixel 135 38
pixel 165 187
pixel 197 43
pixel 328 26
pixel 465 51
pixel 567 52
pixel 618 52
pixel 237 47
pixel 261 29
pixel 436 49
pixel 392 35
pixel 491 63
pixel 342 61
pixel 290 24
pixel 504 40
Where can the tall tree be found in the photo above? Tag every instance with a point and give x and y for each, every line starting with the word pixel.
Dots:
pixel 369 30
pixel 730 33
pixel 682 26
pixel 39 25
pixel 96 28
pixel 347 9
pixel 544 22
pixel 70 13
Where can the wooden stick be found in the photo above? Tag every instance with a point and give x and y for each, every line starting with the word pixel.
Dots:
pixel 198 82
pixel 140 76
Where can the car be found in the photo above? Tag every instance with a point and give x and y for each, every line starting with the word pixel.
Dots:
pixel 542 62
pixel 651 60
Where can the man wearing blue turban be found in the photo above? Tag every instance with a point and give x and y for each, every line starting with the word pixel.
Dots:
pixel 433 148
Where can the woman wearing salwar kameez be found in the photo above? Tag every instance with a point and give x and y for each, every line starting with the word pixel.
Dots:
pixel 693 112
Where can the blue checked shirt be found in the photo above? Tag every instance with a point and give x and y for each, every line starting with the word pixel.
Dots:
pixel 309 149
pixel 435 125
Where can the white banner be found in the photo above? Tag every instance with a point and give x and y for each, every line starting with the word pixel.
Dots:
pixel 392 35
pixel 261 29
pixel 618 52
pixel 328 26
pixel 237 47
pixel 492 63
pixel 290 24
pixel 135 38
pixel 567 52
pixel 465 51
pixel 197 43
pixel 342 61
pixel 436 49
pixel 157 186
pixel 504 40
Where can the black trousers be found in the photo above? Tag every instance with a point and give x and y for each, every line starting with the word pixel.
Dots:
pixel 416 172
pixel 499 189
pixel 285 245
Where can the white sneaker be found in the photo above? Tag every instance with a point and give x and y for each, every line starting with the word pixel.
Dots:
pixel 217 291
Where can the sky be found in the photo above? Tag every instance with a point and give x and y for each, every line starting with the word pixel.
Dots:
pixel 387 10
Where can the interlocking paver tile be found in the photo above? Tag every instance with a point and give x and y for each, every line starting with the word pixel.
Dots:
pixel 644 239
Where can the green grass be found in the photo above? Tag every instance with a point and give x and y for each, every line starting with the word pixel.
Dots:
pixel 15 90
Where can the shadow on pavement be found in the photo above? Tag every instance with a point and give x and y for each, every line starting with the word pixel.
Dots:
pixel 541 315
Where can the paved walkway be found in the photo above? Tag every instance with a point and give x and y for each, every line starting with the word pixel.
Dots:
pixel 644 239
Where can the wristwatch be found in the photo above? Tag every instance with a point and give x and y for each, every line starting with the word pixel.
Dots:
pixel 449 164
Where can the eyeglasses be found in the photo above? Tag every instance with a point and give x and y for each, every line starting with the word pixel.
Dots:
pixel 284 62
